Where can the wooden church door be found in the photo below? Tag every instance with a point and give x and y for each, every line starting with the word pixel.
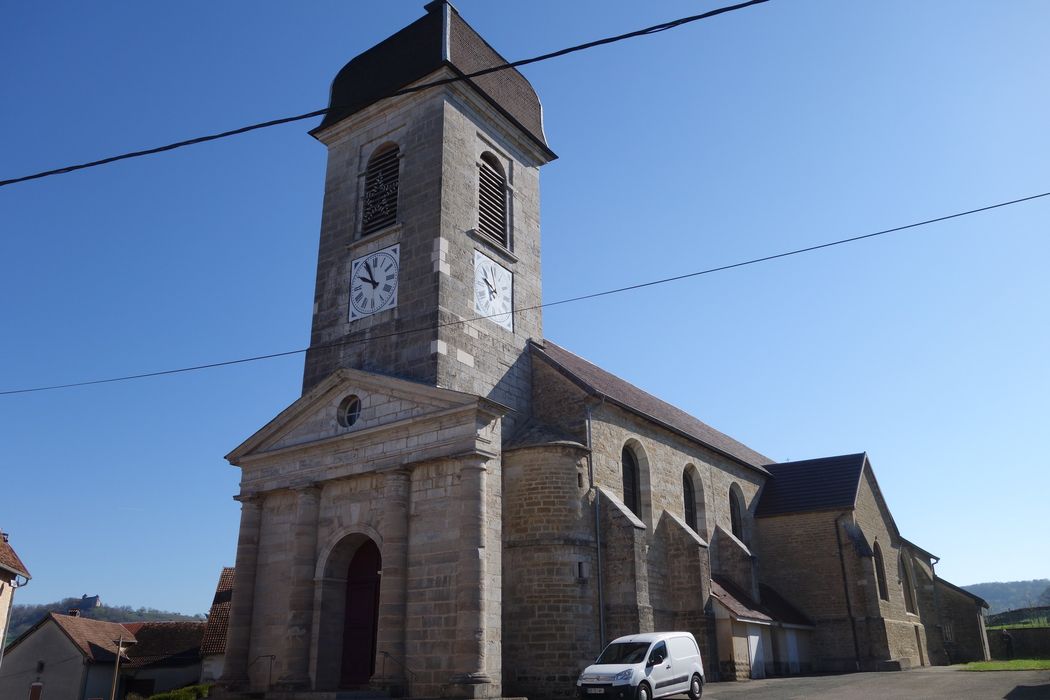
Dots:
pixel 362 616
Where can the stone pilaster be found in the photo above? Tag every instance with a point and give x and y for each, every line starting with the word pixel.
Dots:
pixel 469 651
pixel 238 637
pixel 394 591
pixel 301 589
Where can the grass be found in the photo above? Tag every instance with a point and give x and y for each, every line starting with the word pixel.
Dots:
pixel 1011 665
pixel 1036 622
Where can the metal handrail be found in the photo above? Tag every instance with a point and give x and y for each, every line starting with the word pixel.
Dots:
pixel 411 677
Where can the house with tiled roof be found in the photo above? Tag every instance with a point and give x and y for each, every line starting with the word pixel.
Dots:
pixel 13 574
pixel 165 655
pixel 73 657
pixel 457 506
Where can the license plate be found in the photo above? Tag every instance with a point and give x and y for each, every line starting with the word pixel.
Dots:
pixel 596 691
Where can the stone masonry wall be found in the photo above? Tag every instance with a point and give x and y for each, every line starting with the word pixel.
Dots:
pixel 969 636
pixel 905 633
pixel 625 570
pixel 415 124
pixel 480 356
pixel 557 401
pixel 550 595
pixel 269 623
pixel 797 555
pixel 930 608
pixel 687 585
pixel 663 456
pixel 730 558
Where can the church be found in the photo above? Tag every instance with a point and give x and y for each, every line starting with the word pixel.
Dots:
pixel 458 507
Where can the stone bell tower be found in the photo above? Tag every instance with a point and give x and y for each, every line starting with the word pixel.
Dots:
pixel 445 181
pixel 370 548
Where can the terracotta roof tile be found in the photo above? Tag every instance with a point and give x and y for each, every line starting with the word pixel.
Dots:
pixel 95 639
pixel 164 643
pixel 9 560
pixel 736 601
pixel 599 382
pixel 214 641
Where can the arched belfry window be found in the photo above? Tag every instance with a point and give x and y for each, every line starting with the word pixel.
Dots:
pixel 736 512
pixel 631 485
pixel 689 496
pixel 381 182
pixel 880 572
pixel 492 199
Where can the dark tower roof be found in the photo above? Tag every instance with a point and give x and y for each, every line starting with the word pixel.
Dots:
pixel 440 38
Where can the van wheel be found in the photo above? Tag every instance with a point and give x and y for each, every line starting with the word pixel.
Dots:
pixel 643 691
pixel 696 687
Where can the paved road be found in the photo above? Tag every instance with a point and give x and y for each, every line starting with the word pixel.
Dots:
pixel 936 683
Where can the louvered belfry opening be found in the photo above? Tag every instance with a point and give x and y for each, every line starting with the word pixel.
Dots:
pixel 492 199
pixel 381 180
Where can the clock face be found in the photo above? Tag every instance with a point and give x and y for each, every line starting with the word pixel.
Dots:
pixel 373 282
pixel 493 291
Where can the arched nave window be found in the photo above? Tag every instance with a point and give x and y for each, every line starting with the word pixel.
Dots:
pixel 631 482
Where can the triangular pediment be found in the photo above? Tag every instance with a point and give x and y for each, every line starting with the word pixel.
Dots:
pixel 383 400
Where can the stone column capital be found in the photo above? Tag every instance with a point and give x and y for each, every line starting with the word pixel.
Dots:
pixel 249 498
pixel 308 490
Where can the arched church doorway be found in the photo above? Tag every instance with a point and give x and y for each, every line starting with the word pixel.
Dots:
pixel 361 620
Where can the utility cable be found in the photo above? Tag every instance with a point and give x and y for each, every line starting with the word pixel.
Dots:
pixel 656 28
pixel 582 297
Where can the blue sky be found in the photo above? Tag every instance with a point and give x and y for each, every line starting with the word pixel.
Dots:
pixel 781 126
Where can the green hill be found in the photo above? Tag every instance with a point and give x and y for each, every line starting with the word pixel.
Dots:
pixel 1011 595
pixel 25 616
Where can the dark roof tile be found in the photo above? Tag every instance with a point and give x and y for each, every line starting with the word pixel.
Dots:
pixel 96 639
pixel 597 381
pixel 812 485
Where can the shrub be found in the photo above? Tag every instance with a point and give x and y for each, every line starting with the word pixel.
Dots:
pixel 193 692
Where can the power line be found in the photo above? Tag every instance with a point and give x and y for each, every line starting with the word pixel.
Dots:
pixel 655 29
pixel 582 297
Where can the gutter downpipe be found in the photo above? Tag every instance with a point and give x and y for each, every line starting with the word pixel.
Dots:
pixel 937 606
pixel 845 589
pixel 7 625
pixel 597 530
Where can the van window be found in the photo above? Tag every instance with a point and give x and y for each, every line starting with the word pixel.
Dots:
pixel 659 654
pixel 624 653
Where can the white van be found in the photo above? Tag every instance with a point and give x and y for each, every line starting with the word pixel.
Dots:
pixel 645 666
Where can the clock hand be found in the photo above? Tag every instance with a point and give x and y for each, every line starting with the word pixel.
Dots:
pixel 371 276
